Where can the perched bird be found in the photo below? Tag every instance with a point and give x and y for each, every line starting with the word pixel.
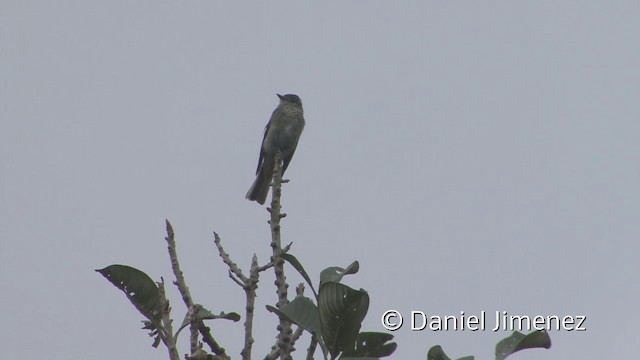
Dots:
pixel 281 133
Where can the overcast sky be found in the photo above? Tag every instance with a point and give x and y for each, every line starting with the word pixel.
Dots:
pixel 471 155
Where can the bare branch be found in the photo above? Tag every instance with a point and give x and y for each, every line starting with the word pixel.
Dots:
pixel 181 284
pixel 227 260
pixel 269 265
pixel 275 352
pixel 284 327
pixel 175 266
pixel 197 326
pixel 233 277
pixel 250 298
pixel 209 340
pixel 296 335
pixel 312 347
pixel 249 285
pixel 169 340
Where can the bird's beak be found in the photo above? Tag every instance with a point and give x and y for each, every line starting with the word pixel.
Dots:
pixel 280 96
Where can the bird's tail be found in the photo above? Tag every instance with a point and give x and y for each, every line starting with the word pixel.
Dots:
pixel 260 188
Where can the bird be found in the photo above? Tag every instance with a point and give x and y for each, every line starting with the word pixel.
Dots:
pixel 281 133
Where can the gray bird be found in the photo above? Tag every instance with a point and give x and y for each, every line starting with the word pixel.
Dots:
pixel 281 133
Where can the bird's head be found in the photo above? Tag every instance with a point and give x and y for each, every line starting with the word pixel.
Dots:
pixel 290 99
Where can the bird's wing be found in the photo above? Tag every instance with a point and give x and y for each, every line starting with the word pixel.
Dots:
pixel 261 158
pixel 286 160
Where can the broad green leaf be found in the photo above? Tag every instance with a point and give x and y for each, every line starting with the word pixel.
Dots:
pixel 301 311
pixel 518 341
pixel 138 287
pixel 342 310
pixel 335 273
pixel 371 345
pixel 436 353
pixel 298 266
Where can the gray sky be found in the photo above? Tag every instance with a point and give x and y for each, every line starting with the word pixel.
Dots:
pixel 471 155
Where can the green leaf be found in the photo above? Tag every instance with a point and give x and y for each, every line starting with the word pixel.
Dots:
pixel 298 266
pixel 138 287
pixel 436 353
pixel 301 311
pixel 342 310
pixel 335 274
pixel 518 341
pixel 204 314
pixel 371 345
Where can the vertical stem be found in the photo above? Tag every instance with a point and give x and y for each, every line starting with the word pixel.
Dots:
pixel 284 333
pixel 170 341
pixel 181 283
pixel 251 284
pixel 312 347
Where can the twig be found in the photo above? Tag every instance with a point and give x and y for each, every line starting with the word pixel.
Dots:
pixel 284 327
pixel 233 268
pixel 296 335
pixel 275 352
pixel 209 340
pixel 236 280
pixel 182 285
pixel 197 326
pixel 312 347
pixel 269 265
pixel 249 285
pixel 169 340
